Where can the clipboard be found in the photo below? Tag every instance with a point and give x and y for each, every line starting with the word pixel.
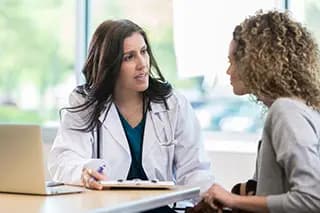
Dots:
pixel 137 184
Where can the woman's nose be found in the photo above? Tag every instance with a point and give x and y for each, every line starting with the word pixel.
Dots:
pixel 228 71
pixel 142 61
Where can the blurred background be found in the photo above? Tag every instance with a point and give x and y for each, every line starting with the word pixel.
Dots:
pixel 43 45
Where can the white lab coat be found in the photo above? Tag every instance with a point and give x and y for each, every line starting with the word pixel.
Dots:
pixel 172 146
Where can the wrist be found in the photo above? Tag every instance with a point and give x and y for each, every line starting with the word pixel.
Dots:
pixel 235 201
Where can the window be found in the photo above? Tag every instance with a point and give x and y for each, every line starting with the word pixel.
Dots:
pixel 37 57
pixel 190 41
pixel 156 19
pixel 307 12
pixel 203 31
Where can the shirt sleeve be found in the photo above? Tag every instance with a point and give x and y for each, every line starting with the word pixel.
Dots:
pixel 296 145
pixel 71 149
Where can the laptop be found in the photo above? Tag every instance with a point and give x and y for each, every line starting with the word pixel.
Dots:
pixel 22 165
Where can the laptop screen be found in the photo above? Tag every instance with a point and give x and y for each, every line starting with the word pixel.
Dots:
pixel 21 159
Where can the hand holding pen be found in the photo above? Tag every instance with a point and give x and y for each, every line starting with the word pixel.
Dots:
pixel 91 177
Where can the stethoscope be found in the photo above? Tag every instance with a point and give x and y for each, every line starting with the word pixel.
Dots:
pixel 169 138
pixel 166 141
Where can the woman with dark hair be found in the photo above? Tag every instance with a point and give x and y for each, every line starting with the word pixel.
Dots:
pixel 127 118
pixel 276 60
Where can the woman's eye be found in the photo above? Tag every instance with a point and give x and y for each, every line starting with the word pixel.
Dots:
pixel 127 57
pixel 144 51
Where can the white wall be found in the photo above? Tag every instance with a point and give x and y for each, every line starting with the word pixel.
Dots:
pixel 230 168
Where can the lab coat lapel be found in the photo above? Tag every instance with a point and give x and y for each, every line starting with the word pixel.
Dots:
pixel 113 125
pixel 153 127
pixel 150 142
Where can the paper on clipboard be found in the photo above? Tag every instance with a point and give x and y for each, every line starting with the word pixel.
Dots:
pixel 145 184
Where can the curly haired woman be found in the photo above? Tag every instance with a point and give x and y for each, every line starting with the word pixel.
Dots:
pixel 276 60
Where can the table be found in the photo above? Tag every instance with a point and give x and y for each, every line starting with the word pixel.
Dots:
pixel 110 201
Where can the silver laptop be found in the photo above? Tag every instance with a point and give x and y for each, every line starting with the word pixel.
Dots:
pixel 21 162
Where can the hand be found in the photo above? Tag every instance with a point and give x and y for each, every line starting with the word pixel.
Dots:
pixel 90 178
pixel 217 197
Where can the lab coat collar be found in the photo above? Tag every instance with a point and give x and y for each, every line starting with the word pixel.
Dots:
pixel 113 113
pixel 113 124
pixel 155 108
pixel 158 107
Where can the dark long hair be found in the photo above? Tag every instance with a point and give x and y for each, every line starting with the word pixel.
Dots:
pixel 102 68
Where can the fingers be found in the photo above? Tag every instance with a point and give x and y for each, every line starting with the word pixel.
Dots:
pixel 217 197
pixel 90 179
pixel 97 175
pixel 209 199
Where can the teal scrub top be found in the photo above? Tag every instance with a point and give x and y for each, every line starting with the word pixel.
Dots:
pixel 135 140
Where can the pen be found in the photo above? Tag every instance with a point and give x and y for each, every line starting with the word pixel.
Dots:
pixel 101 168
